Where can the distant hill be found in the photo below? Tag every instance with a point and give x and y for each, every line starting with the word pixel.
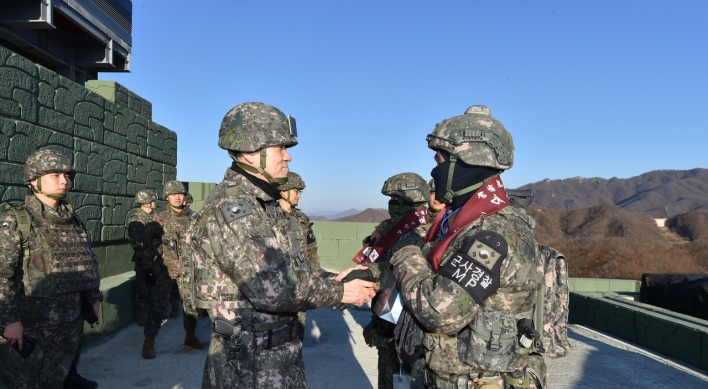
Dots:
pixel 370 215
pixel 606 241
pixel 659 193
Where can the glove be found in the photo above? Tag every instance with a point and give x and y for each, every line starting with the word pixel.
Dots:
pixel 150 277
pixel 365 275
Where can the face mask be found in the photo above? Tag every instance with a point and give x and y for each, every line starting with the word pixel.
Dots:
pixel 398 208
pixel 463 176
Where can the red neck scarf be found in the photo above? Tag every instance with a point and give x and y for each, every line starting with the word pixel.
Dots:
pixel 409 221
pixel 489 199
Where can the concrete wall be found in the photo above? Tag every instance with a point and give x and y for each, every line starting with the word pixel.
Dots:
pixel 674 335
pixel 107 130
pixel 338 242
pixel 116 148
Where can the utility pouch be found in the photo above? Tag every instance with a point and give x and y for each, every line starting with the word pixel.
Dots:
pixel 490 341
pixel 241 356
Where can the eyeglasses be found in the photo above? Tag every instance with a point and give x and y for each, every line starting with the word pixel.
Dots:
pixel 293 126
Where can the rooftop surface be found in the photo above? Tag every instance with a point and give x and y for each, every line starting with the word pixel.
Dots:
pixel 336 355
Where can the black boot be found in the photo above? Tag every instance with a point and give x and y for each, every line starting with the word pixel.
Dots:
pixel 75 381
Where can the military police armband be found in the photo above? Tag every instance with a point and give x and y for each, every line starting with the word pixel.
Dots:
pixel 476 265
pixel 235 210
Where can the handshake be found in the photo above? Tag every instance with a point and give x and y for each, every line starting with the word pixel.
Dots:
pixel 359 286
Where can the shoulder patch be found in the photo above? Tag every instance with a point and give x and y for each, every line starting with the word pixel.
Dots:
pixel 476 265
pixel 235 210
pixel 7 225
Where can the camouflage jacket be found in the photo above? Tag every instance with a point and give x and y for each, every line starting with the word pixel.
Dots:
pixel 247 234
pixel 136 233
pixel 14 304
pixel 445 309
pixel 164 237
pixel 313 260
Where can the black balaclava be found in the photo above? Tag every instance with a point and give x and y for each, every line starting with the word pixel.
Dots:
pixel 464 176
pixel 266 186
pixel 401 207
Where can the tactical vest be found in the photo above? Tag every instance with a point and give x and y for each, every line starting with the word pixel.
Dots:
pixel 60 259
pixel 210 287
pixel 490 342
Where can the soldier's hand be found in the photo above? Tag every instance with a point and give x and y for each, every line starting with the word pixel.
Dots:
pixel 358 292
pixel 375 237
pixel 14 332
pixel 150 277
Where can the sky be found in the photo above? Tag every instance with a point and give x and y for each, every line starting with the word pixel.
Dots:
pixel 586 88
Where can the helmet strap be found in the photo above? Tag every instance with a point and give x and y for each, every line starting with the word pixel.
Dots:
pixel 53 196
pixel 260 169
pixel 449 193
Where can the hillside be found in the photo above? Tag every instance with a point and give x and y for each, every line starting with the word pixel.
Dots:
pixel 608 242
pixel 659 193
pixel 370 215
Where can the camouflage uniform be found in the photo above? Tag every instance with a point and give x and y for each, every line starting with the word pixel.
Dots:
pixel 410 188
pixel 459 336
pixel 48 304
pixel 165 235
pixel 136 233
pixel 307 239
pixel 249 273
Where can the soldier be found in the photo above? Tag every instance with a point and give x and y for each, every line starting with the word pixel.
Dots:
pixel 47 267
pixel 147 202
pixel 409 193
pixel 165 236
pixel 434 206
pixel 290 193
pixel 472 287
pixel 248 273
pixel 188 200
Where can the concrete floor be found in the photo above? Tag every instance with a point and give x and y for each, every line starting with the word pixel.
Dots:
pixel 336 357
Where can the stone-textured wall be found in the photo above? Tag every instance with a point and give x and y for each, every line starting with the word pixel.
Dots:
pixel 108 131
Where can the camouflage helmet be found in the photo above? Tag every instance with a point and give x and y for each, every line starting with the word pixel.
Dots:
pixel 188 198
pixel 47 161
pixel 431 185
pixel 475 138
pixel 294 182
pixel 410 187
pixel 145 196
pixel 250 127
pixel 173 187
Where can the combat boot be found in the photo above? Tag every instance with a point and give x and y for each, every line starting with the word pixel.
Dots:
pixel 175 309
pixel 76 381
pixel 192 341
pixel 140 316
pixel 149 347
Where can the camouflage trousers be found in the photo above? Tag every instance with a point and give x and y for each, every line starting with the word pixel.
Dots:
pixel 535 371
pixel 49 363
pixel 141 289
pixel 280 367
pixel 160 299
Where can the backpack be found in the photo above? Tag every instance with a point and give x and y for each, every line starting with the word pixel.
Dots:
pixel 555 303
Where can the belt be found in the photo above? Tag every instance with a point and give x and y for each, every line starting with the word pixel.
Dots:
pixel 432 380
pixel 265 340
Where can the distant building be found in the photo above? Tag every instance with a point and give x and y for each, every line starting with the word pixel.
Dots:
pixel 76 39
